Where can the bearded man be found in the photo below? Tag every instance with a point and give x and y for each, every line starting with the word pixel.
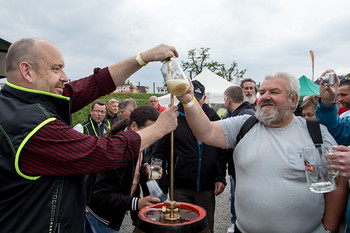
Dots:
pixel 271 190
pixel 250 90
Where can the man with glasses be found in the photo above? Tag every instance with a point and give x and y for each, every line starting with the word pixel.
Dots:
pixel 96 124
pixel 154 102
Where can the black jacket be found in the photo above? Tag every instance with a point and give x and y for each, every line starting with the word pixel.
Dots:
pixel 197 166
pixel 111 195
pixel 111 198
pixel 90 127
pixel 244 108
pixel 42 203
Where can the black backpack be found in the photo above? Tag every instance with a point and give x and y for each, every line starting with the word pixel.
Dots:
pixel 312 126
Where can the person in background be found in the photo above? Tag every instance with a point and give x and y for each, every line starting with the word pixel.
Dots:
pixel 43 159
pixel 343 97
pixel 117 191
pixel 308 107
pixel 126 107
pixel 327 114
pixel 271 193
pixel 250 90
pixel 199 169
pixel 112 111
pixel 236 106
pixel 96 124
pixel 153 101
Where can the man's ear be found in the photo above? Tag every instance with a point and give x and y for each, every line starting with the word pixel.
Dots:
pixel 133 126
pixel 26 71
pixel 295 100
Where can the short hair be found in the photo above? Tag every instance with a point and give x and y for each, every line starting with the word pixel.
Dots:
pixel 153 96
pixel 127 104
pixel 140 116
pixel 97 102
pixel 235 93
pixel 113 101
pixel 249 80
pixel 293 86
pixel 310 101
pixel 22 50
pixel 345 83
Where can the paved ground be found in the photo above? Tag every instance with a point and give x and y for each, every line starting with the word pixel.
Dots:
pixel 222 213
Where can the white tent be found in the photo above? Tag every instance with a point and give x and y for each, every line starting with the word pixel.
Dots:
pixel 214 88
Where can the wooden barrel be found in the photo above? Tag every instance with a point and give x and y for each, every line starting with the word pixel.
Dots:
pixel 197 225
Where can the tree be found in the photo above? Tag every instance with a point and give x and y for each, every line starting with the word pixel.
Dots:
pixel 198 59
pixel 127 82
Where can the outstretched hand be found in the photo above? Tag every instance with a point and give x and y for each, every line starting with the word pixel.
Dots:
pixel 167 120
pixel 159 53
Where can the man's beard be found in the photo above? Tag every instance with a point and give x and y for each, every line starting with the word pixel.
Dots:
pixel 274 117
pixel 250 99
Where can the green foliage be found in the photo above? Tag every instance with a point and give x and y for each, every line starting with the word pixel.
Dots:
pixel 346 76
pixel 140 98
pixel 127 82
pixel 198 60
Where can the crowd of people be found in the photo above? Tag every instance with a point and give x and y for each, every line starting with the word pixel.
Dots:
pixel 60 178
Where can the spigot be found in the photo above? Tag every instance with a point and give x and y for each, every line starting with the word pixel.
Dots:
pixel 169 210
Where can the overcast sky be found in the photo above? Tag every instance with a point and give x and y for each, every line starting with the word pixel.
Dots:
pixel 262 36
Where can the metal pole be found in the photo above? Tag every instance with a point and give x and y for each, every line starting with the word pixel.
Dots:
pixel 171 140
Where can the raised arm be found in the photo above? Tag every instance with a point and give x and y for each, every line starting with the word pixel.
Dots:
pixel 122 70
pixel 206 131
pixel 166 122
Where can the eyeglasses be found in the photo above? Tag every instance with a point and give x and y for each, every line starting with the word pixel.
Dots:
pixel 99 111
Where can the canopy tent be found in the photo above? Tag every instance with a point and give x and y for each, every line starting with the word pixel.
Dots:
pixel 214 89
pixel 307 87
pixel 4 46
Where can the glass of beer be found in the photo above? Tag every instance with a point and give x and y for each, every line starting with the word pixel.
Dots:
pixel 175 78
pixel 155 169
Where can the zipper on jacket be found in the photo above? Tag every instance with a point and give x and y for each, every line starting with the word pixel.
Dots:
pixel 56 200
pixel 200 150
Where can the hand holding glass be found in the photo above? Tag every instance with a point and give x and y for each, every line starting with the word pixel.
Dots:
pixel 330 151
pixel 318 173
pixel 155 169
pixel 175 78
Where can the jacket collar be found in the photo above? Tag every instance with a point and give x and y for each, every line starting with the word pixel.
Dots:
pixel 59 104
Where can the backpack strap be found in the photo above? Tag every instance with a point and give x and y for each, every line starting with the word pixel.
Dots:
pixel 314 131
pixel 248 124
pixel 312 126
